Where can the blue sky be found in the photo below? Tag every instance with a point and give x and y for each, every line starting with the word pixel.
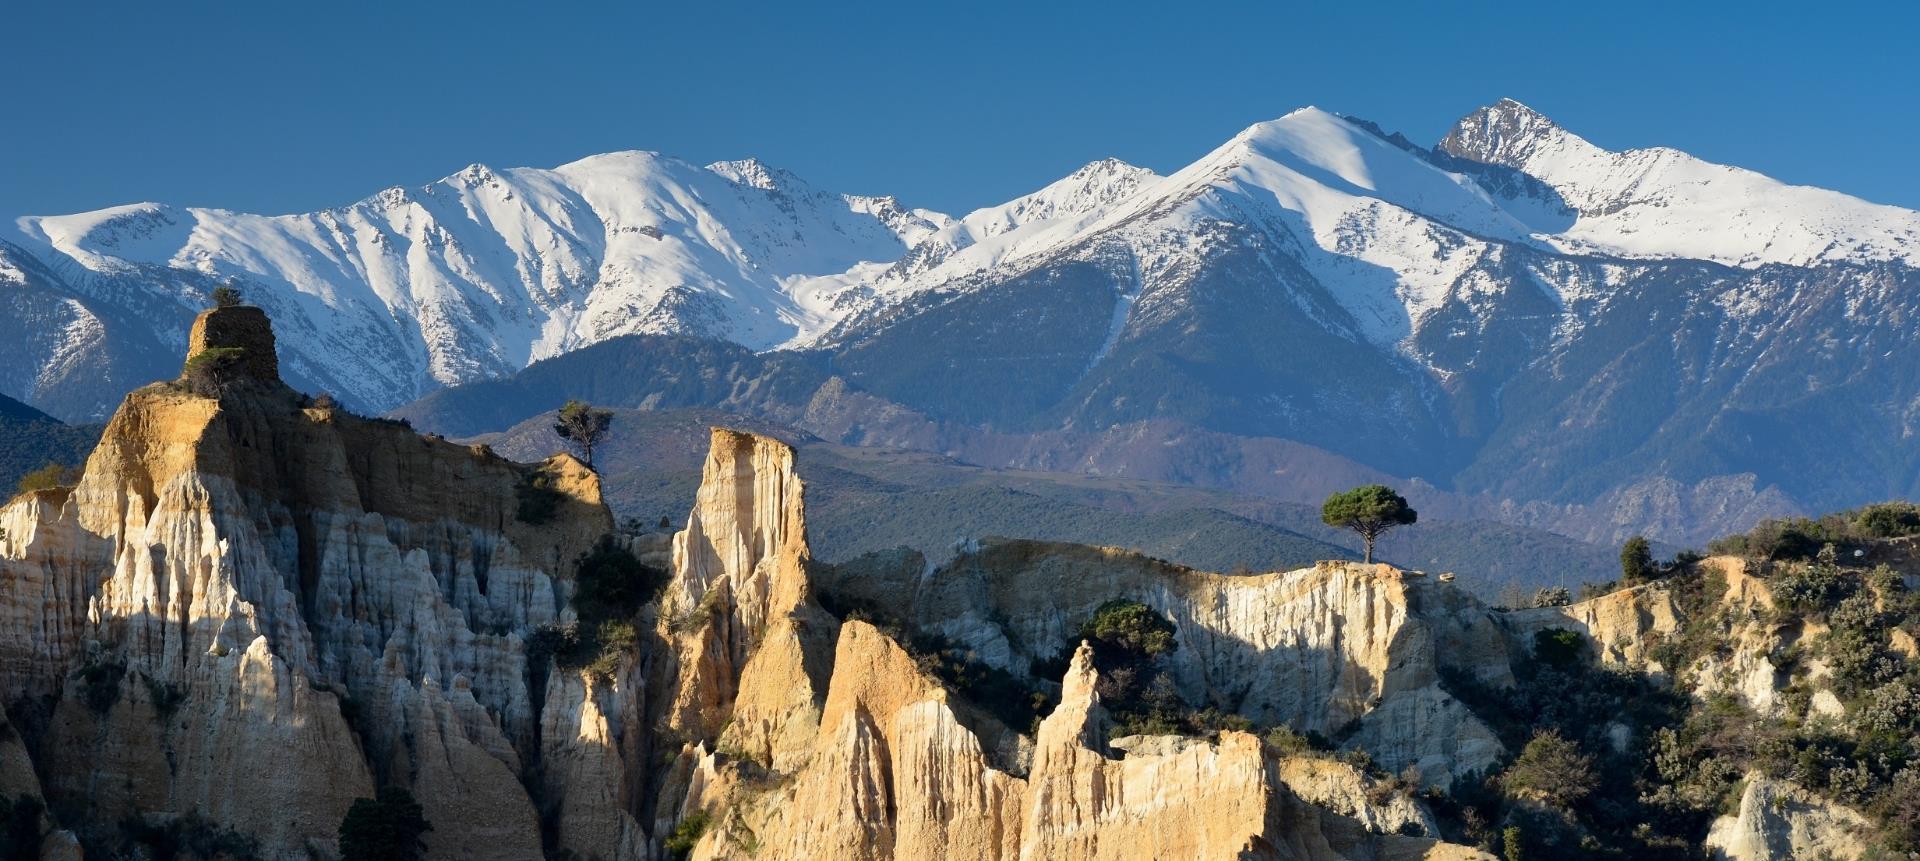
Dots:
pixel 280 107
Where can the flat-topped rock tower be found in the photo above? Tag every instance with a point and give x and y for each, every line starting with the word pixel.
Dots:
pixel 244 328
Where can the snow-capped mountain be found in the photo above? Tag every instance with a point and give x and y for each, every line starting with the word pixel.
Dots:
pixel 476 275
pixel 1662 202
pixel 1514 314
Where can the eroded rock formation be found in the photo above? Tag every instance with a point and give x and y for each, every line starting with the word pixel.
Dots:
pixel 255 608
pixel 1342 649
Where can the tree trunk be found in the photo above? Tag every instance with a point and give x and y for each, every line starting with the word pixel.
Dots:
pixel 1369 539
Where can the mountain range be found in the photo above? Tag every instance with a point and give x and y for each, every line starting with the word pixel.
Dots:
pixel 1514 323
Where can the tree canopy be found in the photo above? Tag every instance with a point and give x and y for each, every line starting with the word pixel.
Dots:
pixel 584 425
pixel 1636 561
pixel 225 296
pixel 1370 510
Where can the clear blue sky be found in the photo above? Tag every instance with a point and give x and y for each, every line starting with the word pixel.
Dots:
pixel 280 107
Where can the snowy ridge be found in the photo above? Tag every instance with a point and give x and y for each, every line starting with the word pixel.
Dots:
pixel 480 273
pixel 484 271
pixel 1662 202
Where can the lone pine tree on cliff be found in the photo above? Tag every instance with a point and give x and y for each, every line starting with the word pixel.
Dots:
pixel 224 296
pixel 583 425
pixel 1369 510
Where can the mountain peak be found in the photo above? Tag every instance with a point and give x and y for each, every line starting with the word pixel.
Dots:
pixel 1503 133
pixel 753 173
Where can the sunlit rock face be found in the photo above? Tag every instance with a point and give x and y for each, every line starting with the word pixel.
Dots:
pixel 254 610
pixel 1340 648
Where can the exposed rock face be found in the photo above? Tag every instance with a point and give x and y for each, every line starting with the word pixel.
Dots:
pixel 1622 626
pixel 1779 821
pixel 892 774
pixel 239 328
pixel 753 651
pixel 1339 647
pixel 234 577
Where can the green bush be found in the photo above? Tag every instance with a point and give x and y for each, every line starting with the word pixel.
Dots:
pixel 686 834
pixel 1129 628
pixel 1813 588
pixel 1552 769
pixel 205 372
pixel 1898 810
pixel 596 650
pixel 1559 648
pixel 1012 701
pixel 1889 520
pixel 49 477
pixel 1129 639
pixel 1513 844
pixel 611 583
pixel 610 587
pixel 1636 561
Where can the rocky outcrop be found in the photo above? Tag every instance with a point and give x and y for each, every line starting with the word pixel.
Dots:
pixel 1627 627
pixel 1346 790
pixel 1778 821
pixel 1621 626
pixel 893 774
pixel 1342 649
pixel 253 609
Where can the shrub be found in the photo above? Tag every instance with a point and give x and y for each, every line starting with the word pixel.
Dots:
pixel 166 696
pixel 1009 699
pixel 1559 648
pixel 1283 740
pixel 686 834
pixel 1889 520
pixel 391 826
pixel 205 371
pixel 224 296
pixel 1552 596
pixel 1552 769
pixel 610 586
pixel 1636 561
pixel 100 684
pixel 1898 810
pixel 1128 640
pixel 1809 588
pixel 1513 844
pixel 1129 628
pixel 596 649
pixel 49 477
pixel 612 583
